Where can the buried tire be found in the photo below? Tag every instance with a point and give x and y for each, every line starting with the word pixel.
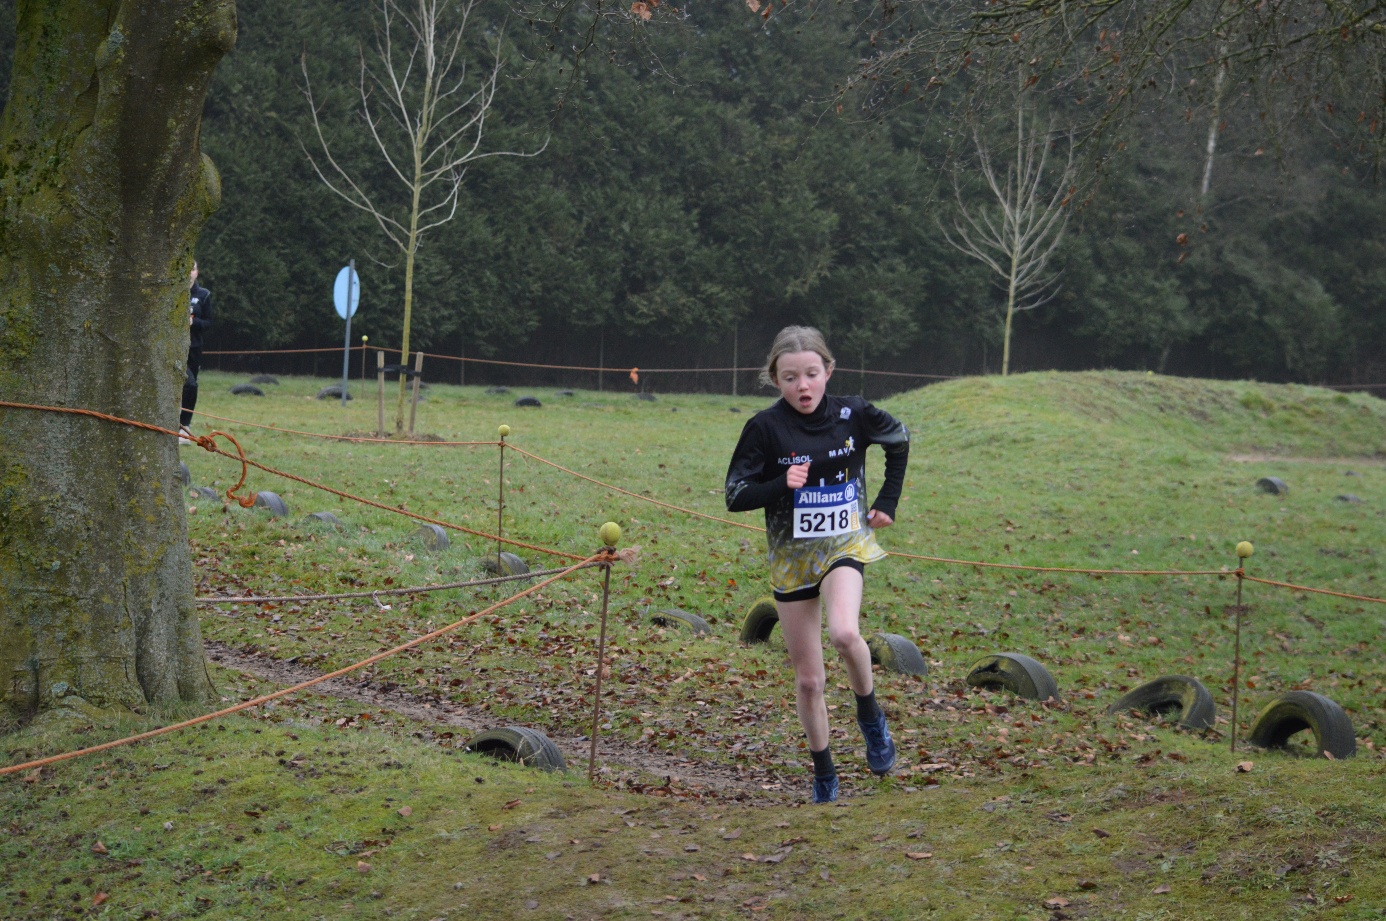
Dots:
pixel 1171 696
pixel 760 622
pixel 433 537
pixel 271 502
pixel 1299 710
pixel 1011 671
pixel 519 744
pixel 242 390
pixel 671 617
pixel 896 653
pixel 509 565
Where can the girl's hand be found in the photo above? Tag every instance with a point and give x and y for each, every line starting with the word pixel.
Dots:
pixel 879 519
pixel 797 476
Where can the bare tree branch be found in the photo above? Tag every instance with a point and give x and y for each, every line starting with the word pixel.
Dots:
pixel 429 126
pixel 1017 232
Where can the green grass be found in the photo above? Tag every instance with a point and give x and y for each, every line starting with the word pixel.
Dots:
pixel 1017 803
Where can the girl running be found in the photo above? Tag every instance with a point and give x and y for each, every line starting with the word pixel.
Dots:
pixel 802 460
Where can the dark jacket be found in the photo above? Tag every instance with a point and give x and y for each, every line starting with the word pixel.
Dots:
pixel 200 303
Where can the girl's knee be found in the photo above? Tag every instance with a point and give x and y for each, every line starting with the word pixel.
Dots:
pixel 845 640
pixel 810 686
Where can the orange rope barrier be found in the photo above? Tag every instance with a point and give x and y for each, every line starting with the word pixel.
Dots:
pixel 634 495
pixel 1319 591
pixel 374 593
pixel 208 442
pixel 265 698
pixel 932 559
pixel 527 364
pixel 1086 572
pixel 351 438
pixel 245 461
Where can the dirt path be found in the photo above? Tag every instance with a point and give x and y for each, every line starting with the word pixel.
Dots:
pixel 618 762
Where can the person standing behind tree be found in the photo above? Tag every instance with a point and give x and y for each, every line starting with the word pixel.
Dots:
pixel 199 321
pixel 803 461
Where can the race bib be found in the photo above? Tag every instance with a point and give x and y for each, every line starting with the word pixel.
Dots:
pixel 826 511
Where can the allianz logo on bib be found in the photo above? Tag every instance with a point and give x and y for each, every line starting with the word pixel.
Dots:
pixel 823 495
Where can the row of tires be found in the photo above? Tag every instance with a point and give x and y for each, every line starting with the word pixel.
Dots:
pixel 1284 717
pixel 1179 698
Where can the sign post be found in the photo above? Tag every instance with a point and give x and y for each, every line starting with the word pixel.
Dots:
pixel 346 294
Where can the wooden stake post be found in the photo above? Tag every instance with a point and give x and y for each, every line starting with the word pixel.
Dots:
pixel 414 400
pixel 380 394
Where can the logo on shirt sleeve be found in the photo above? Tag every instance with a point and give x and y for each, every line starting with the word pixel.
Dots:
pixel 846 413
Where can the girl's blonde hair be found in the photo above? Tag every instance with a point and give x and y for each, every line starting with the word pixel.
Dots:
pixel 794 339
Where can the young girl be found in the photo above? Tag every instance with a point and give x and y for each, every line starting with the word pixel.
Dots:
pixel 802 461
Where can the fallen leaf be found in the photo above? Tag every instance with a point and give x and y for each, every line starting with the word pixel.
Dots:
pixel 732 835
pixel 919 855
pixel 1161 889
pixel 1244 767
pixel 405 811
pixel 1344 899
pixel 499 827
pixel 99 848
pixel 1056 902
pixel 1101 834
pixel 99 898
pixel 690 848
pixel 362 867
pixel 1086 884
pixel 512 804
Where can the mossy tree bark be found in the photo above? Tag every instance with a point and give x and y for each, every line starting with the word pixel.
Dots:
pixel 103 190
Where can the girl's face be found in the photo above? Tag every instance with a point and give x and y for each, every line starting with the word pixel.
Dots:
pixel 802 378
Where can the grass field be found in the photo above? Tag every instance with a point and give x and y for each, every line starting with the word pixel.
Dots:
pixel 1000 807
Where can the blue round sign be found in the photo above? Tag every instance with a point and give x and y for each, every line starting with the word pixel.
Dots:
pixel 347 288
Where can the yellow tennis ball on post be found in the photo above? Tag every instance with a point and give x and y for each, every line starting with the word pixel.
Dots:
pixel 610 533
pixel 504 430
pixel 1244 549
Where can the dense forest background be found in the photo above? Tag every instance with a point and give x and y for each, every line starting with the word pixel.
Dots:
pixel 702 184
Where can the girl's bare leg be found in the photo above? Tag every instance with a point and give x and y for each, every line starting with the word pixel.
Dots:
pixel 841 597
pixel 802 624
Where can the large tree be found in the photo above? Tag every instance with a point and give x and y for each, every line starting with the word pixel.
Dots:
pixel 103 189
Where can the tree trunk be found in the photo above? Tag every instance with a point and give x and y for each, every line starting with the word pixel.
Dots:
pixel 103 190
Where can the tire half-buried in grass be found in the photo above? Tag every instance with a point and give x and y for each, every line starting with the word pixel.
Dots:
pixel 509 565
pixel 670 617
pixel 760 621
pixel 1011 671
pixel 520 744
pixel 1296 711
pixel 251 390
pixel 272 503
pixel 896 653
pixel 1171 696
pixel 433 536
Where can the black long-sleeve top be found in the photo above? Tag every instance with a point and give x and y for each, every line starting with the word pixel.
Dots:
pixel 833 440
pixel 200 304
